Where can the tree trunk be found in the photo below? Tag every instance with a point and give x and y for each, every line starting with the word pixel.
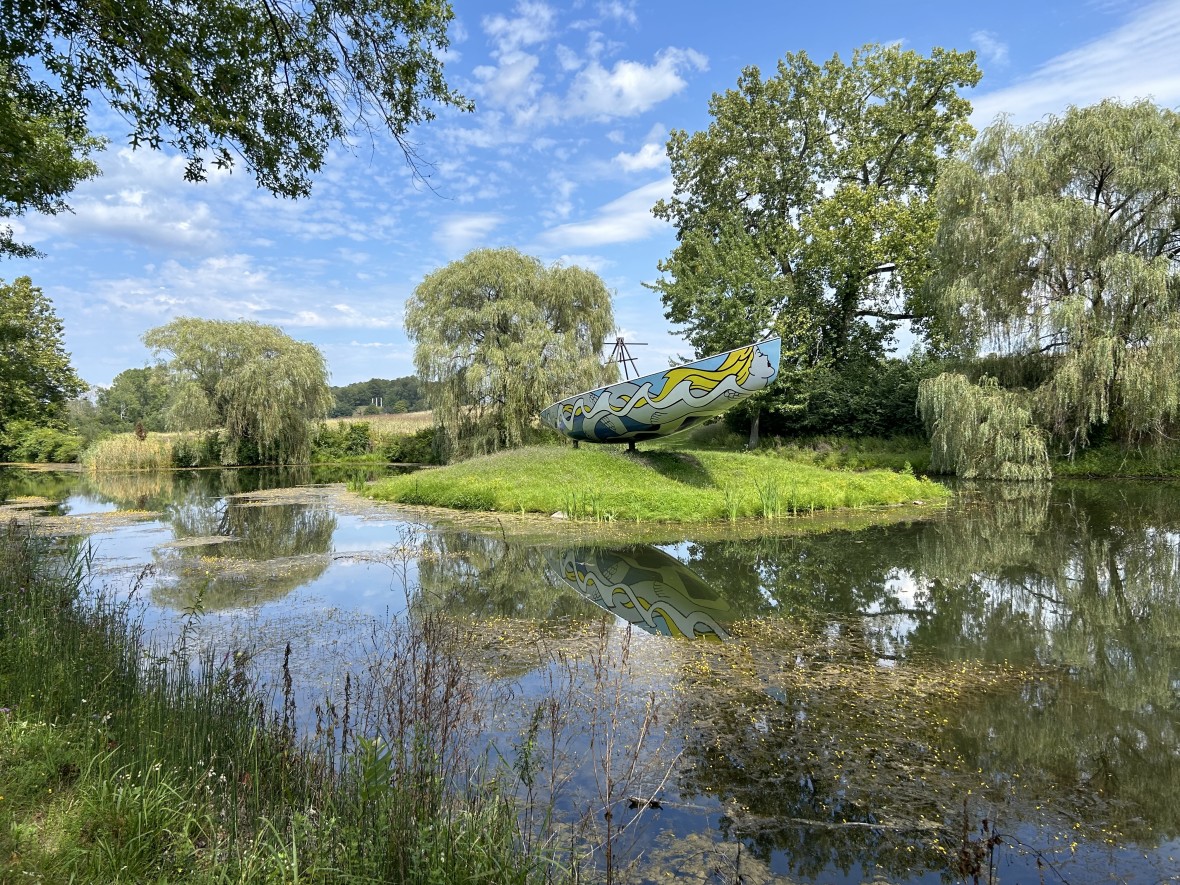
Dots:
pixel 753 444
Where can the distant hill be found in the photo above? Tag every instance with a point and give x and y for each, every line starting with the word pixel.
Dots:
pixel 379 396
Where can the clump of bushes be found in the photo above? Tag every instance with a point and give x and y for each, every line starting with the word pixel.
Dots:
pixel 360 441
pixel 31 443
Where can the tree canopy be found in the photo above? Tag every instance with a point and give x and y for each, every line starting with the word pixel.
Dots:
pixel 805 208
pixel 1060 246
pixel 498 336
pixel 269 84
pixel 397 395
pixel 36 378
pixel 135 397
pixel 43 156
pixel 262 387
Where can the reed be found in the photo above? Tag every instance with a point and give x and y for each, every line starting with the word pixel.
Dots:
pixel 126 452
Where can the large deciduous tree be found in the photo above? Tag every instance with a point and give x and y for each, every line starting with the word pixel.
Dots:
pixel 135 397
pixel 43 156
pixel 498 336
pixel 271 84
pixel 805 208
pixel 1060 245
pixel 36 378
pixel 265 389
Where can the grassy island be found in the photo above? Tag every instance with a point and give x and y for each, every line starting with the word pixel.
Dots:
pixel 650 486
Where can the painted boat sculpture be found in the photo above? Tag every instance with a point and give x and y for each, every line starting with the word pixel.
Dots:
pixel 668 401
pixel 646 587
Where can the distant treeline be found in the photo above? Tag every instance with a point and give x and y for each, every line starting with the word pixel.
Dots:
pixel 379 396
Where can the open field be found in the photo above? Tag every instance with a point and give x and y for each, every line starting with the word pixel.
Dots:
pixel 406 422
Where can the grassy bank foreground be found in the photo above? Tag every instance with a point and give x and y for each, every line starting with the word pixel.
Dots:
pixel 610 484
pixel 119 763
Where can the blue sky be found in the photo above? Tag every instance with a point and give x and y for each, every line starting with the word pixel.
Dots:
pixel 563 159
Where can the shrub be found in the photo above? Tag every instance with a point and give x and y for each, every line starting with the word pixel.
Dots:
pixel 345 441
pixel 29 442
pixel 411 448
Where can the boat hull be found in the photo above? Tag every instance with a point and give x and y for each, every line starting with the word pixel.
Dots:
pixel 669 401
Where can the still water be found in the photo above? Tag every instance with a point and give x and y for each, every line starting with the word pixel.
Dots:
pixel 993 688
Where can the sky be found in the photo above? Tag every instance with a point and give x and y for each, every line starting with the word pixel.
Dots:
pixel 562 159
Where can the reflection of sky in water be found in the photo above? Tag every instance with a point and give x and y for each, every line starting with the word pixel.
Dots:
pixel 362 574
pixel 80 505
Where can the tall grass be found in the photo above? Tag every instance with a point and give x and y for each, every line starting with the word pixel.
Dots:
pixel 401 424
pixel 126 452
pixel 121 762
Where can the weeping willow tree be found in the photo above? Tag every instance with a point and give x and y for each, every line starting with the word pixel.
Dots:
pixel 981 430
pixel 498 336
pixel 263 388
pixel 1059 245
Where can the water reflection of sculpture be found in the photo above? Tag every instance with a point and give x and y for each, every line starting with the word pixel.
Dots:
pixel 1078 592
pixel 647 588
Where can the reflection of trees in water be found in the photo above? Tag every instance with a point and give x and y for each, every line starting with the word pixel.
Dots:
pixel 274 549
pixel 484 577
pixel 159 489
pixel 1080 586
pixel 53 485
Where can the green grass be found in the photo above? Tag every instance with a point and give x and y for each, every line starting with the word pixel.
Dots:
pixel 124 763
pixel 1111 459
pixel 608 484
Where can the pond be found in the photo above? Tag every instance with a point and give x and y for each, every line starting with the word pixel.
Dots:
pixel 991 688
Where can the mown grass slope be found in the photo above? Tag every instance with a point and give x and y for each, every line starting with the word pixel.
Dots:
pixel 597 483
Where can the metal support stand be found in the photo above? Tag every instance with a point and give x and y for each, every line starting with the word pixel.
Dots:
pixel 621 355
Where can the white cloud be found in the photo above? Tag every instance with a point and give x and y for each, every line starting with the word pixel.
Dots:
pixel 619 10
pixel 650 156
pixel 532 24
pixel 1137 60
pixel 624 220
pixel 231 287
pixel 597 263
pixel 142 200
pixel 511 83
pixel 630 87
pixel 462 232
pixel 990 48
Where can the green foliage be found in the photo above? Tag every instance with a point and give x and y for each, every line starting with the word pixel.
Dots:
pixel 29 442
pixel 981 430
pixel 265 389
pixel 43 156
pixel 271 84
pixel 399 395
pixel 654 486
pixel 361 441
pixel 346 441
pixel 36 379
pixel 135 396
pixel 862 397
pixel 498 336
pixel 805 207
pixel 1059 245
pixel 419 447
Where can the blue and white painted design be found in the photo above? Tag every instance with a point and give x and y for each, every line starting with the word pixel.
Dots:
pixel 668 401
